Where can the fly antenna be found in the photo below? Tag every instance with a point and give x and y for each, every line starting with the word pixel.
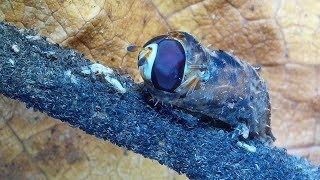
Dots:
pixel 135 48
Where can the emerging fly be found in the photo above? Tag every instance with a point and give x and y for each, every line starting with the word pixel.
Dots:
pixel 178 70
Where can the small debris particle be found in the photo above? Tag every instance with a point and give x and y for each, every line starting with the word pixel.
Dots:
pixel 242 130
pixel 73 78
pixel 97 68
pixel 68 73
pixel 85 70
pixel 33 38
pixel 247 146
pixel 116 84
pixel 15 48
pixel 100 69
pixel 245 131
pixel 230 105
pixel 214 54
pixel 12 62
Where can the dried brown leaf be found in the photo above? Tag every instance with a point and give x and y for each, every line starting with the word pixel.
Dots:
pixel 283 36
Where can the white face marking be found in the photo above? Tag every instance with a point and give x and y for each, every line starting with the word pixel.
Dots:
pixel 146 68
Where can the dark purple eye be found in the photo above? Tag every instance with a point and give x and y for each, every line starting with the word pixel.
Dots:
pixel 168 68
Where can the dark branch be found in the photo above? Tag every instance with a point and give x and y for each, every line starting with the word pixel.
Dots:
pixel 49 78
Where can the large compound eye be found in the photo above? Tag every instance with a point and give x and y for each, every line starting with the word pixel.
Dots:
pixel 162 62
pixel 168 68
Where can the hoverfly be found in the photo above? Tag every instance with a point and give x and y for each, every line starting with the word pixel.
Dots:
pixel 178 70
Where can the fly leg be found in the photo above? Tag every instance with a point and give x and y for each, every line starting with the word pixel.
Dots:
pixel 189 85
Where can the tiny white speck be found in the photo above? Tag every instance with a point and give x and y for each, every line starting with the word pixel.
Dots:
pixel 245 132
pixel 73 78
pixel 230 105
pixel 214 54
pixel 33 38
pixel 68 73
pixel 85 70
pixel 15 48
pixel 12 62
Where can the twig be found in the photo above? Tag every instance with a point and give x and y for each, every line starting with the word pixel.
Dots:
pixel 51 79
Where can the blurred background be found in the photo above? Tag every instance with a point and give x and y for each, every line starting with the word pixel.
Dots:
pixel 281 35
